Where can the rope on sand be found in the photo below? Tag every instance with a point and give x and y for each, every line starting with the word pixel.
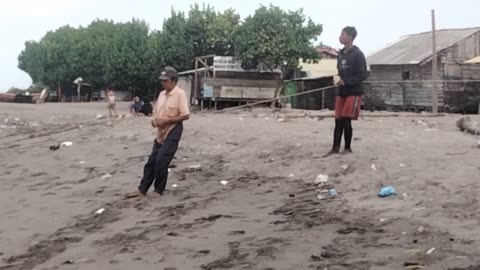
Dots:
pixel 274 99
pixel 333 86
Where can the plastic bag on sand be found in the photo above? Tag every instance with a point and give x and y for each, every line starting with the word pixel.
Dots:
pixel 387 191
pixel 66 144
pixel 321 179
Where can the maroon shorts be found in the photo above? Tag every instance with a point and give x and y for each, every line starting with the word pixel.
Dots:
pixel 348 107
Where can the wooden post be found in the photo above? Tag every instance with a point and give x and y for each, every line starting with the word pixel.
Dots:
pixel 202 62
pixel 434 68
pixel 195 84
pixel 79 89
pixel 302 86
pixel 323 99
pixel 59 92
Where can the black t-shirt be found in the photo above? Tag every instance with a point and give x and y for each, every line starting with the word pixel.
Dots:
pixel 352 69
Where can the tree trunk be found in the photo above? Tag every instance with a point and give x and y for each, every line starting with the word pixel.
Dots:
pixel 466 124
pixel 277 92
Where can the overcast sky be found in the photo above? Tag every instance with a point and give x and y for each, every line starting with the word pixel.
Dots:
pixel 378 22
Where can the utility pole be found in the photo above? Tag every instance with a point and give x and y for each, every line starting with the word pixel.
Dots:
pixel 434 68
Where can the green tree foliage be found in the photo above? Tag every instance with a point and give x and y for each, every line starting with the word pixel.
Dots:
pixel 176 45
pixel 102 53
pixel 212 32
pixel 130 55
pixel 277 38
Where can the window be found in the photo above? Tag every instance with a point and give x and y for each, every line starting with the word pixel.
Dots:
pixel 406 75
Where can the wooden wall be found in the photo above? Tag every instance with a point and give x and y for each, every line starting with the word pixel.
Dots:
pixel 454 57
pixel 242 88
pixel 387 87
pixel 380 94
pixel 317 100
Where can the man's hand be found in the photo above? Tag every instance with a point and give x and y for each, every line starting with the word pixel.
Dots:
pixel 154 124
pixel 340 83
pixel 161 121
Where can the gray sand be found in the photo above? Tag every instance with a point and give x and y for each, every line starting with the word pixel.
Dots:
pixel 266 217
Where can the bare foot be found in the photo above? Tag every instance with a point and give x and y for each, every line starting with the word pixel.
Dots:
pixel 135 194
pixel 332 152
pixel 157 194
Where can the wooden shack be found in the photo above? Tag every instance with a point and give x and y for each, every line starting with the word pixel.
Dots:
pixel 226 83
pixel 316 100
pixel 401 74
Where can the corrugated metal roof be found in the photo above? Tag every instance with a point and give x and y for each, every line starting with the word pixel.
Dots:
pixel 328 50
pixel 475 60
pixel 413 49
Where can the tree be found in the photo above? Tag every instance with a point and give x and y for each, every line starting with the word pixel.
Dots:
pixel 277 39
pixel 31 60
pixel 212 32
pixel 125 63
pixel 130 56
pixel 102 53
pixel 175 43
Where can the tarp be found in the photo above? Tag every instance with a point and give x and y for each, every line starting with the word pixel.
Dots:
pixel 475 60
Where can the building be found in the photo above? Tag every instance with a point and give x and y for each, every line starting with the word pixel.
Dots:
pixel 314 100
pixel 226 83
pixel 401 74
pixel 326 66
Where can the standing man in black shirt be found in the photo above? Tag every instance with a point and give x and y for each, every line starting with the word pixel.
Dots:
pixel 352 70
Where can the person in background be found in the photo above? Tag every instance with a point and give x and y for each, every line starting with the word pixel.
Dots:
pixel 136 108
pixel 352 70
pixel 170 110
pixel 111 105
pixel 147 108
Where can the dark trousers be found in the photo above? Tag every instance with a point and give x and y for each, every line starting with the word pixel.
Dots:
pixel 342 125
pixel 156 168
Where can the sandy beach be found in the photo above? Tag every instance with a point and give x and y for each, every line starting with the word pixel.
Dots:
pixel 264 215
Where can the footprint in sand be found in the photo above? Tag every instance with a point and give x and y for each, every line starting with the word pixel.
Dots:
pixel 64 188
pixel 239 232
pixel 72 202
pixel 22 200
pixel 37 174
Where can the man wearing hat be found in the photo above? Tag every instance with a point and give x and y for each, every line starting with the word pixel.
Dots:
pixel 170 110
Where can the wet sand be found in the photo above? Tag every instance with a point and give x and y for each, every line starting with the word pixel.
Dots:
pixel 266 217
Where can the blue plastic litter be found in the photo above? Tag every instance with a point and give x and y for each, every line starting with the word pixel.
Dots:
pixel 333 192
pixel 387 191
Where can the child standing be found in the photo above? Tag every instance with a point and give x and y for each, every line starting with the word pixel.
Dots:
pixel 111 102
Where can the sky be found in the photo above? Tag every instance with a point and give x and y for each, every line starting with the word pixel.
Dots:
pixel 379 22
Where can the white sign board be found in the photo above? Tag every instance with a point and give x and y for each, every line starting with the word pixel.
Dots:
pixel 246 92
